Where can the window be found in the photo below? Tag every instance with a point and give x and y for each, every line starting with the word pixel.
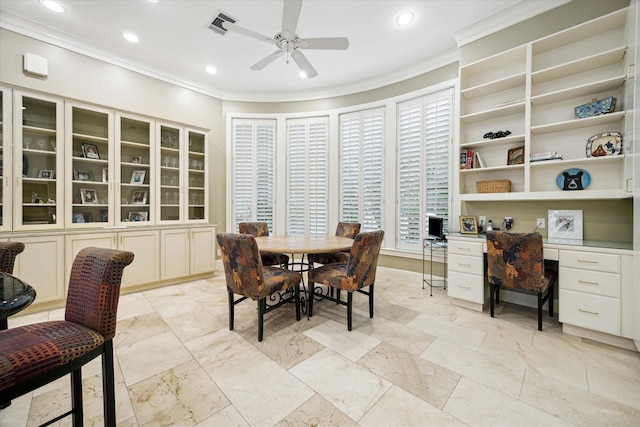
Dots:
pixel 307 175
pixel 253 173
pixel 424 140
pixel 361 152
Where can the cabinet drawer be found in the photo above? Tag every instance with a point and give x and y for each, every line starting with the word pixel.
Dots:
pixel 592 282
pixel 465 248
pixel 590 311
pixel 590 261
pixel 465 264
pixel 468 287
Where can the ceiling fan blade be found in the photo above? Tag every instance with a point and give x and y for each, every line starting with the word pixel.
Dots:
pixel 339 43
pixel 304 64
pixel 290 15
pixel 233 27
pixel 268 60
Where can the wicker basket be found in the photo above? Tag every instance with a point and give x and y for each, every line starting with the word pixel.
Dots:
pixel 496 186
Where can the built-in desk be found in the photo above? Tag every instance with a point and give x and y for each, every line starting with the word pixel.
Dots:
pixel 595 282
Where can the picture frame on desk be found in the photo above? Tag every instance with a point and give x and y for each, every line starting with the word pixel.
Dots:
pixel 468 225
pixel 565 225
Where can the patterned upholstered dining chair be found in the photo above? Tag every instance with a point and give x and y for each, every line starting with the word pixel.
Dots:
pixel 343 229
pixel 515 262
pixel 358 273
pixel 8 253
pixel 37 354
pixel 246 276
pixel 260 229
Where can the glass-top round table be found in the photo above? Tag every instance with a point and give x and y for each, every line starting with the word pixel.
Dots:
pixel 16 296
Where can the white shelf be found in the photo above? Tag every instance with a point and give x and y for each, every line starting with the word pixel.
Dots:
pixel 580 162
pixel 492 169
pixel 494 113
pixel 580 65
pixel 578 123
pixel 548 195
pixel 494 142
pixel 578 91
pixel 508 82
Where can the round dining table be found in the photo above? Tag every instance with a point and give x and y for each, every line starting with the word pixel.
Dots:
pixel 16 296
pixel 303 244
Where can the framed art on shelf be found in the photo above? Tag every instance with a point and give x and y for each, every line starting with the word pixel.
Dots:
pixel 565 225
pixel 105 174
pixel 468 225
pixel 136 159
pixel 515 156
pixel 90 151
pixel 138 216
pixel 139 198
pixel 88 196
pixel 45 173
pixel 82 175
pixel 137 177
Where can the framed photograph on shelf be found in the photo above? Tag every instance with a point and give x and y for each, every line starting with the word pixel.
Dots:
pixel 515 156
pixel 138 216
pixel 104 215
pixel 136 159
pixel 45 173
pixel 137 177
pixel 82 175
pixel 78 218
pixel 90 151
pixel 468 225
pixel 139 198
pixel 105 174
pixel 88 196
pixel 565 225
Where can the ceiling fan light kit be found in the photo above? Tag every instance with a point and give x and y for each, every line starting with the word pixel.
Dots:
pixel 287 40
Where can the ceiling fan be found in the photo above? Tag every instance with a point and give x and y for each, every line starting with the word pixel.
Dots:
pixel 288 42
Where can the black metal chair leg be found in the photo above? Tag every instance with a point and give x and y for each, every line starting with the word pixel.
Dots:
pixel 77 413
pixel 261 308
pixel 539 311
pixel 108 385
pixel 371 301
pixel 349 310
pixel 312 286
pixel 551 301
pixel 297 301
pixel 231 307
pixel 492 290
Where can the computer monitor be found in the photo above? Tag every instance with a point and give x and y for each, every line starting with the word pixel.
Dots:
pixel 436 227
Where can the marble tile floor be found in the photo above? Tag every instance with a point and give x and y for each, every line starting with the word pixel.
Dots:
pixel 419 362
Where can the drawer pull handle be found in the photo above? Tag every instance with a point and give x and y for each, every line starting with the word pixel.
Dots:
pixel 464 287
pixel 464 265
pixel 587 311
pixel 588 261
pixel 584 282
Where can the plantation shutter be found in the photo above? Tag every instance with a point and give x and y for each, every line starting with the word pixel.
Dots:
pixel 253 171
pixel 361 151
pixel 424 138
pixel 307 171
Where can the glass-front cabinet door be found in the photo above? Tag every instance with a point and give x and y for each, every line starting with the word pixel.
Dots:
pixel 38 161
pixel 197 197
pixel 90 135
pixel 5 159
pixel 135 178
pixel 170 166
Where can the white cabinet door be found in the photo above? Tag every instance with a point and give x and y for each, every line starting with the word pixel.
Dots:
pixel 75 243
pixel 203 249
pixel 42 266
pixel 175 253
pixel 145 245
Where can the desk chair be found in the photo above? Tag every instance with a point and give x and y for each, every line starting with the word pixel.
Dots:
pixel 37 354
pixel 344 229
pixel 357 273
pixel 246 276
pixel 259 229
pixel 8 253
pixel 514 261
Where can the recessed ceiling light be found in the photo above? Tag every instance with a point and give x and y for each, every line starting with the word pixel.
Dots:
pixel 131 37
pixel 303 75
pixel 211 69
pixel 405 18
pixel 53 6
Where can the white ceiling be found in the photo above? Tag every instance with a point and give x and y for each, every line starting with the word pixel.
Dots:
pixel 176 45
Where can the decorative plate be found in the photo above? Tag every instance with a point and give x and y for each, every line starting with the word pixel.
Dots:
pixel 604 144
pixel 573 179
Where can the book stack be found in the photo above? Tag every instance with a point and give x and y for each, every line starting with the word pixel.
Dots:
pixel 547 155
pixel 470 159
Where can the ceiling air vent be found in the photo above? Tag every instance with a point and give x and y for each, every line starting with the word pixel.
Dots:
pixel 217 20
